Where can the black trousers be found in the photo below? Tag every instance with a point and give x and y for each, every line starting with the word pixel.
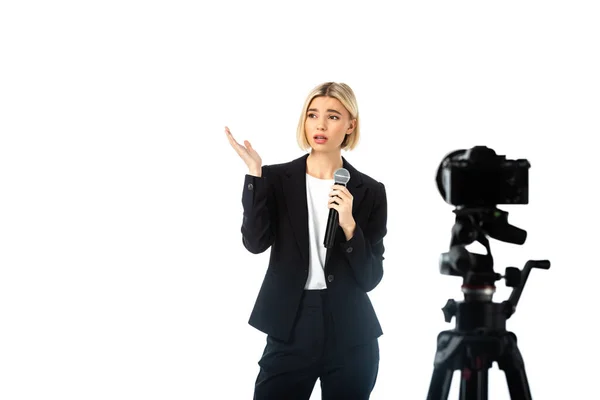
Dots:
pixel 289 370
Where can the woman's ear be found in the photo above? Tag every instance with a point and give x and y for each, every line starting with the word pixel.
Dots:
pixel 352 127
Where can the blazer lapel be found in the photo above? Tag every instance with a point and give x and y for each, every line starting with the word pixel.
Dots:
pixel 294 189
pixel 355 186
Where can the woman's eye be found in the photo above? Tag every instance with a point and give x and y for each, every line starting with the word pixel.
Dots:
pixel 311 115
pixel 334 117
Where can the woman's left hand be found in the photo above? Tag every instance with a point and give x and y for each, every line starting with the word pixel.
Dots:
pixel 343 198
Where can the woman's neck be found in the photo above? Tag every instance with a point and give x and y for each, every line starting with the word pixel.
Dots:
pixel 323 165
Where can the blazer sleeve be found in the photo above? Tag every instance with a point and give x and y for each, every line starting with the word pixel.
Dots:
pixel 365 249
pixel 258 218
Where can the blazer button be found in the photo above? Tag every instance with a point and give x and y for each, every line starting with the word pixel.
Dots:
pixel 250 186
pixel 349 250
pixel 330 278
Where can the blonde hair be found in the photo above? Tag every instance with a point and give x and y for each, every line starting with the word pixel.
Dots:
pixel 345 95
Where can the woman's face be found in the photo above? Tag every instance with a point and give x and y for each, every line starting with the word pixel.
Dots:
pixel 327 124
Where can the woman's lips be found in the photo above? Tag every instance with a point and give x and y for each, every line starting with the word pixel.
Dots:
pixel 320 139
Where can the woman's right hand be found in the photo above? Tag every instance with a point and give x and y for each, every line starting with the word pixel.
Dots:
pixel 246 153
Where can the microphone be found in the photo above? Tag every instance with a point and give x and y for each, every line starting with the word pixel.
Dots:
pixel 340 177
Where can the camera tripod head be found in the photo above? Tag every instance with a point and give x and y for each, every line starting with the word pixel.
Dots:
pixel 477 270
pixel 475 224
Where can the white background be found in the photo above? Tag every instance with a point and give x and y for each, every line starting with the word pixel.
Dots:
pixel 122 272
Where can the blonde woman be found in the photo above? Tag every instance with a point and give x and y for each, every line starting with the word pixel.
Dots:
pixel 313 303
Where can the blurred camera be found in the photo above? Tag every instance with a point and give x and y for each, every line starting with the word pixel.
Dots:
pixel 478 177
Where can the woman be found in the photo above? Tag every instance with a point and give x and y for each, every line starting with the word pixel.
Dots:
pixel 313 303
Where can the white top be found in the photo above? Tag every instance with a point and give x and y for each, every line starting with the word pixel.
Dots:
pixel 317 197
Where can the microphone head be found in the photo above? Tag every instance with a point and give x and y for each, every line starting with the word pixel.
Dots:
pixel 341 176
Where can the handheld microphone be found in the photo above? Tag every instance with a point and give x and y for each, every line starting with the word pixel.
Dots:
pixel 340 177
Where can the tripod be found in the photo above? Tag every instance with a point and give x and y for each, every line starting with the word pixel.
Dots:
pixel 480 336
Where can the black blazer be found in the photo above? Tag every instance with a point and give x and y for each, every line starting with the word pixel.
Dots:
pixel 275 215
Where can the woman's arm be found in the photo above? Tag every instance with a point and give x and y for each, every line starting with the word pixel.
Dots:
pixel 365 248
pixel 258 207
pixel 257 199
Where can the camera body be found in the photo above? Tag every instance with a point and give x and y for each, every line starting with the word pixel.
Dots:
pixel 479 177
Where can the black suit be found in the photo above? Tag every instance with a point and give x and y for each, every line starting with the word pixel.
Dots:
pixel 275 215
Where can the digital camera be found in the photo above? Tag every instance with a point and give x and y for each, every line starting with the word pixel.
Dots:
pixel 479 177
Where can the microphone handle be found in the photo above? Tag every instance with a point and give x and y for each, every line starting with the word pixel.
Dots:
pixel 332 223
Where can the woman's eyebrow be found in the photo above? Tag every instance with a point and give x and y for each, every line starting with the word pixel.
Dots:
pixel 328 110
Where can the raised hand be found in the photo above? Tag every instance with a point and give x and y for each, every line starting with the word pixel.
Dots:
pixel 246 153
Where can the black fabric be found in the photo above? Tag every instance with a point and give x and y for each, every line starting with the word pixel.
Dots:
pixel 290 369
pixel 275 216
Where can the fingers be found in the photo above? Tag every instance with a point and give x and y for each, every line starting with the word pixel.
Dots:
pixel 230 137
pixel 237 147
pixel 234 142
pixel 252 152
pixel 339 200
pixel 341 188
pixel 336 194
pixel 249 147
pixel 341 192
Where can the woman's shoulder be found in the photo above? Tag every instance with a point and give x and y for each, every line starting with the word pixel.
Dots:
pixel 369 180
pixel 296 165
pixel 364 178
pixel 377 186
